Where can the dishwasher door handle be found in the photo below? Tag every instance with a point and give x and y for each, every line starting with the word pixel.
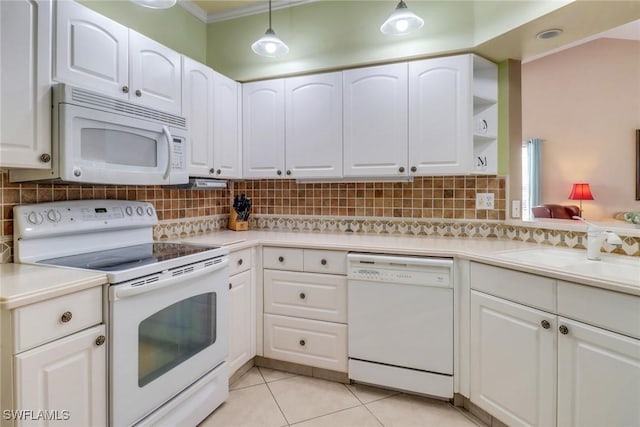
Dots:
pixel 398 261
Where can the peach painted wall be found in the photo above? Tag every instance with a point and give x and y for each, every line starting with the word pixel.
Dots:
pixel 584 103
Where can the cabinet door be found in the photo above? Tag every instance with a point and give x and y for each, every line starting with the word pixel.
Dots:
pixel 155 74
pixel 197 107
pixel 92 51
pixel 66 374
pixel 375 121
pixel 440 111
pixel 25 98
pixel 242 320
pixel 263 129
pixel 598 377
pixel 226 127
pixel 313 117
pixel 513 361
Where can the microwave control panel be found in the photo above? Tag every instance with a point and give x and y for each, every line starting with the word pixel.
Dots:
pixel 179 153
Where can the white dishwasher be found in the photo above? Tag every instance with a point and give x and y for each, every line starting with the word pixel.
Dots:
pixel 400 313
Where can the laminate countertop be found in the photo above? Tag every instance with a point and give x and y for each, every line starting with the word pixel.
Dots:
pixel 615 272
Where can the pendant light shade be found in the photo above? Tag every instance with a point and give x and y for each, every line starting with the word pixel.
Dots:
pixel 156 4
pixel 401 21
pixel 270 45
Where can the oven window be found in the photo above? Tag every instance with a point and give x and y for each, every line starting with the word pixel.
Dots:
pixel 118 147
pixel 174 334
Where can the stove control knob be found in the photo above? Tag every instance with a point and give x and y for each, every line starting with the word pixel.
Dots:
pixel 35 217
pixel 54 215
pixel 128 210
pixel 150 211
pixel 140 211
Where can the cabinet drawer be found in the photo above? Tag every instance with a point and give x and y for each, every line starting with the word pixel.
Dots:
pixel 525 288
pixel 41 322
pixel 599 307
pixel 239 261
pixel 282 259
pixel 309 295
pixel 308 342
pixel 321 261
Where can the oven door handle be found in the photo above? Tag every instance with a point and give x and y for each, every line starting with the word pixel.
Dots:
pixel 120 292
pixel 165 131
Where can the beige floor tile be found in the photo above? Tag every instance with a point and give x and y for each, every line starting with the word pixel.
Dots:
pixel 273 375
pixel 248 407
pixel 303 398
pixel 251 377
pixel 354 417
pixel 408 411
pixel 367 394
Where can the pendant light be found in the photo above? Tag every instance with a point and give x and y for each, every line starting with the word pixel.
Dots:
pixel 401 21
pixel 156 4
pixel 270 45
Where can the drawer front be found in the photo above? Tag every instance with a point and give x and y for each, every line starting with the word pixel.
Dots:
pixel 239 261
pixel 525 288
pixel 308 295
pixel 282 259
pixel 321 261
pixel 308 342
pixel 599 307
pixel 45 321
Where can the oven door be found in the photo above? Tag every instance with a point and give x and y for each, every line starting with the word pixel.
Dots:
pixel 107 148
pixel 167 330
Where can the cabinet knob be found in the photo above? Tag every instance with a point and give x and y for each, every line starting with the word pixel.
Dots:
pixel 218 171
pixel 45 157
pixel 414 169
pixel 230 285
pixel 100 340
pixel 278 172
pixel 302 295
pixel 138 92
pixel 281 258
pixel 323 261
pixel 66 317
pixel 125 89
pixel 240 261
pixel 563 330
pixel 212 171
pixel 401 169
pixel 288 172
pixel 545 324
pixel 303 343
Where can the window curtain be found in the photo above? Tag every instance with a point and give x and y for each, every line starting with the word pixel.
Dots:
pixel 534 154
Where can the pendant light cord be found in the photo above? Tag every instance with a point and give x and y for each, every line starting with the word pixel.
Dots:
pixel 269 14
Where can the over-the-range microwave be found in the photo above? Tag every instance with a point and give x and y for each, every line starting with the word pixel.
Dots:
pixel 97 139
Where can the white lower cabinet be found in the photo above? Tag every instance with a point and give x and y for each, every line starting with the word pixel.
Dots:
pixel 67 378
pixel 242 310
pixel 530 367
pixel 513 363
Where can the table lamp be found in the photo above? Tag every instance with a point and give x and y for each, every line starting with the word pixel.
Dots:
pixel 580 191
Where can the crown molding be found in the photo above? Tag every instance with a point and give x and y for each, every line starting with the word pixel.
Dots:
pixel 199 13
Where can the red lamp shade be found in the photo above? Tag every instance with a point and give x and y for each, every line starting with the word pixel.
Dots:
pixel 580 191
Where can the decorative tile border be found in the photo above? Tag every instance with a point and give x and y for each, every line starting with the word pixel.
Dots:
pixel 189 227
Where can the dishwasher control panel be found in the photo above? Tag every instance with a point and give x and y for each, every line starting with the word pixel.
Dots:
pixel 401 270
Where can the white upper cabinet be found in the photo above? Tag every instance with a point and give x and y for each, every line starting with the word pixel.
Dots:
pixel 92 51
pixel 96 53
pixel 263 129
pixel 25 98
pixel 440 109
pixel 197 107
pixel 226 127
pixel 375 121
pixel 313 117
pixel 154 74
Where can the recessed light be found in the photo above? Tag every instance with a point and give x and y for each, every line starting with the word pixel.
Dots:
pixel 549 34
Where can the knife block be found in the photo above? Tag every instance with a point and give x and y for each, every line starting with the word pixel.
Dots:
pixel 236 225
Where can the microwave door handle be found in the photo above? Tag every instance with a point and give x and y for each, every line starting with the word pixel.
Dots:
pixel 165 131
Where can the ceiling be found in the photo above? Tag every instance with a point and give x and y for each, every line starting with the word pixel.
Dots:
pixel 219 10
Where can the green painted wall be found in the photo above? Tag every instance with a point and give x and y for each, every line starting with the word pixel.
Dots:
pixel 175 27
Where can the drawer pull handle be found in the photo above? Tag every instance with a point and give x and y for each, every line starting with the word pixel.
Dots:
pixel 240 261
pixel 303 343
pixel 138 93
pixel 302 295
pixel 545 324
pixel 100 340
pixel 66 316
pixel 323 261
pixel 563 330
pixel 281 258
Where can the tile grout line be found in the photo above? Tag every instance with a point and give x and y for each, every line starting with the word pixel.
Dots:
pixel 328 413
pixel 365 405
pixel 274 398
